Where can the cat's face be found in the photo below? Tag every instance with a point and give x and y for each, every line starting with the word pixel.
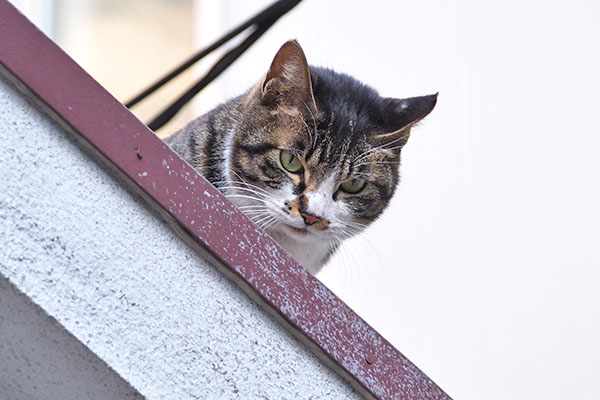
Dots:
pixel 316 155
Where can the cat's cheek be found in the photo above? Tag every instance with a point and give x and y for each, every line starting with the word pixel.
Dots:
pixel 340 217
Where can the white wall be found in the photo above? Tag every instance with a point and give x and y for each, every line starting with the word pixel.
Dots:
pixel 117 279
pixel 487 271
pixel 39 359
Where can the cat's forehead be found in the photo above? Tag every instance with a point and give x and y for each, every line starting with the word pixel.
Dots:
pixel 349 113
pixel 350 110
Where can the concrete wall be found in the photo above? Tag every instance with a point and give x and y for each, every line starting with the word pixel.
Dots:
pixel 95 266
pixel 39 358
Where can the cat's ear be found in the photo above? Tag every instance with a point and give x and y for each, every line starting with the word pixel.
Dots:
pixel 401 114
pixel 288 80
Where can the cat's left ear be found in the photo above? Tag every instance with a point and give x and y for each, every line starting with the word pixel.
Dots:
pixel 288 80
pixel 402 114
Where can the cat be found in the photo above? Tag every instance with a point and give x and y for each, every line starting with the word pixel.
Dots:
pixel 309 154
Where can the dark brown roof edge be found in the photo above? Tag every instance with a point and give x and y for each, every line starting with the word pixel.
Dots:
pixel 335 333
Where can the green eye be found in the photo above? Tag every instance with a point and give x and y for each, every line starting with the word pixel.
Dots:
pixel 353 185
pixel 290 162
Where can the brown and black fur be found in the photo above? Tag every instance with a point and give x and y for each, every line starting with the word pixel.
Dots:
pixel 336 126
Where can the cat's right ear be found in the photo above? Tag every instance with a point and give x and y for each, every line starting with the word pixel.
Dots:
pixel 288 80
pixel 401 115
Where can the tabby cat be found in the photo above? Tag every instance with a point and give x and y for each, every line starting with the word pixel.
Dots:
pixel 309 154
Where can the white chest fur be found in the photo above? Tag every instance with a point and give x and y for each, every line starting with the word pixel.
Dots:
pixel 309 253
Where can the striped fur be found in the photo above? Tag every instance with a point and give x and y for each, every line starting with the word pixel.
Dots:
pixel 337 127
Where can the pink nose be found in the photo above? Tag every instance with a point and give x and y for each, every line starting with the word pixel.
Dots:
pixel 310 219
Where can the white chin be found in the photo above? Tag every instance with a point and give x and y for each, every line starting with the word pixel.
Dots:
pixel 300 234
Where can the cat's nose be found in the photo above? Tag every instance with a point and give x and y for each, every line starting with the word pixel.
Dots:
pixel 310 219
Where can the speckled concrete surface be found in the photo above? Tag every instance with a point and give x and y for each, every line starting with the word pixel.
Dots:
pixel 40 359
pixel 93 256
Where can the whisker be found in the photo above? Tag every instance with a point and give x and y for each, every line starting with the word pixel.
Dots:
pixel 252 207
pixel 256 213
pixel 345 222
pixel 243 196
pixel 346 258
pixel 264 196
pixel 374 151
pixel 243 182
pixel 380 147
pixel 376 162
pixel 314 123
pixel 310 136
pixel 244 189
pixel 261 219
pixel 367 245
pixel 269 224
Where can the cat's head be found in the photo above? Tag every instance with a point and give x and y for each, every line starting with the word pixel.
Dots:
pixel 316 153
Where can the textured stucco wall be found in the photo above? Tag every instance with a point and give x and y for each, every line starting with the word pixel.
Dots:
pixel 40 359
pixel 93 256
